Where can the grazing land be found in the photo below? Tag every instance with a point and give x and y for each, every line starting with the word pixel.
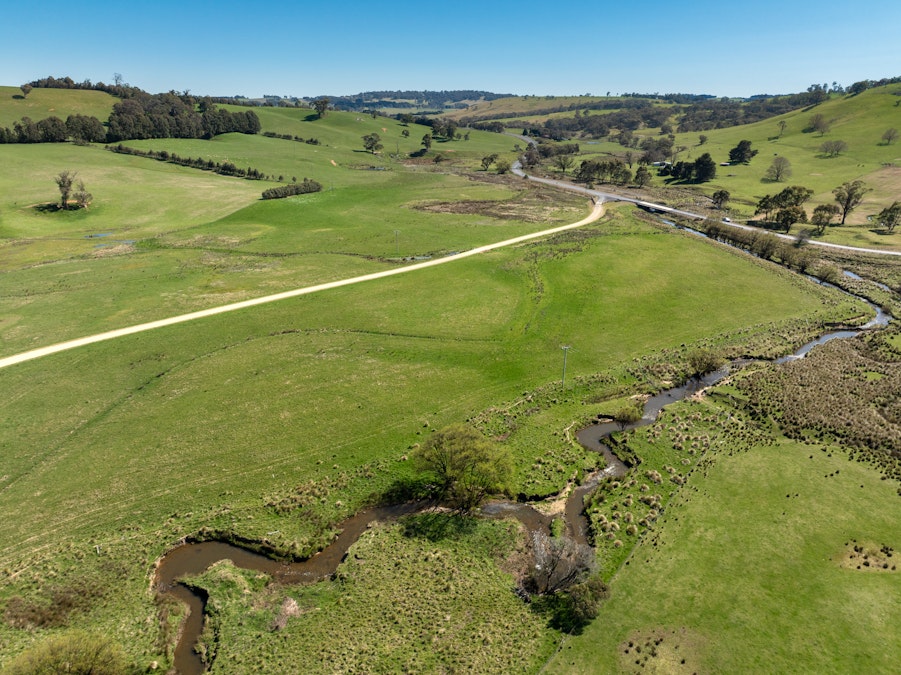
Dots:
pixel 272 424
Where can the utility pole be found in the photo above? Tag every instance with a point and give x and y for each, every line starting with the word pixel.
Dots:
pixel 565 349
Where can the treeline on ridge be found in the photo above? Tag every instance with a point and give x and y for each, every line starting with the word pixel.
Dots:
pixel 138 115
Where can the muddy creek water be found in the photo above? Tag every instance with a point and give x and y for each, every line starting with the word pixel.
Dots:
pixel 194 558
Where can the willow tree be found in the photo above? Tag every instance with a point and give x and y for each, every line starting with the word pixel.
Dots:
pixel 465 467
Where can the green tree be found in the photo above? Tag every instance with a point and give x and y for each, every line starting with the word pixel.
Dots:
pixel 782 125
pixel 26 89
pixel 704 168
pixel 585 600
pixel 642 176
pixel 823 216
pixel 889 217
pixel 85 128
pixel 405 133
pixel 64 181
pixel 721 198
pixel 794 195
pixel 833 148
pixel 702 361
pixel 320 105
pixel 502 166
pixel 628 414
pixel 465 466
pixel 779 169
pixel 488 160
pixel 53 130
pixel 563 162
pixel 849 195
pixel 766 206
pixel 702 139
pixel 427 141
pixel 789 215
pixel 890 136
pixel 742 153
pixel 372 142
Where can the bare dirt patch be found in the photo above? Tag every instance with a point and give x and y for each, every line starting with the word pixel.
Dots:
pixel 661 651
pixel 533 207
pixel 118 249
pixel 869 557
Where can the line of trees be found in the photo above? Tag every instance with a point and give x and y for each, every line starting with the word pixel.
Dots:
pixel 79 128
pixel 223 168
pixel 787 207
pixel 131 120
pixel 289 137
pixel 171 116
pixel 306 186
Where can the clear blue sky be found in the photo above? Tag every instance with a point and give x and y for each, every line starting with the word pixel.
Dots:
pixel 303 48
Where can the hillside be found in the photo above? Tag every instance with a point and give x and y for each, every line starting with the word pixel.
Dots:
pixel 271 424
pixel 859 121
pixel 42 103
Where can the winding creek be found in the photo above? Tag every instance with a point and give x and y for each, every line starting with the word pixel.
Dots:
pixel 194 558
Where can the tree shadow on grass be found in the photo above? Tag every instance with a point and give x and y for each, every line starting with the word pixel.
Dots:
pixel 403 490
pixel 435 526
pixel 557 609
pixel 51 207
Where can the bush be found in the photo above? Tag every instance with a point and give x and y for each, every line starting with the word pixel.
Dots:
pixel 283 191
pixel 76 652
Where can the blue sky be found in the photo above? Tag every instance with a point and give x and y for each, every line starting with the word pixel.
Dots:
pixel 527 47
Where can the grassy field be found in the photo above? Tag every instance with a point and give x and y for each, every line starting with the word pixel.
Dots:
pixel 129 446
pixel 160 239
pixel 751 570
pixel 113 453
pixel 41 103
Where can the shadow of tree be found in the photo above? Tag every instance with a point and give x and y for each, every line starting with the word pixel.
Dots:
pixel 437 526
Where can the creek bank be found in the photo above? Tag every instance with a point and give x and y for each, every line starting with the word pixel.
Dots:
pixel 194 558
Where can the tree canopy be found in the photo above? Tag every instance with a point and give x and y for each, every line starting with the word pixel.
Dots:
pixel 465 466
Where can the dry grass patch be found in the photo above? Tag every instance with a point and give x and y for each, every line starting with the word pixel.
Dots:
pixel 868 557
pixel 661 651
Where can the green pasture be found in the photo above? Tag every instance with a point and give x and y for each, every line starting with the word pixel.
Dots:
pixel 114 452
pixel 42 103
pixel 342 132
pixel 160 240
pixel 744 574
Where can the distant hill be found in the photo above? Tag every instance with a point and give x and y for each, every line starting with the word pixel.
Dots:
pixel 412 100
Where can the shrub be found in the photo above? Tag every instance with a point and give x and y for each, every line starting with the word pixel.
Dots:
pixel 76 652
pixel 304 187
